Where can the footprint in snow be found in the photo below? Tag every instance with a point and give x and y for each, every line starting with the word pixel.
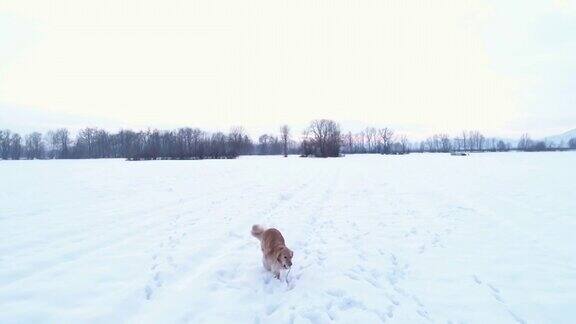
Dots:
pixel 393 299
pixel 270 309
pixel 516 317
pixel 148 292
pixel 157 279
pixel 495 292
pixel 423 313
pixel 477 280
pixel 494 289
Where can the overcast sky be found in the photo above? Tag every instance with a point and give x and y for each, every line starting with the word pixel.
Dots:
pixel 503 67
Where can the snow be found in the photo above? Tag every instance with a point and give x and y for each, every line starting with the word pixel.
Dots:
pixel 487 238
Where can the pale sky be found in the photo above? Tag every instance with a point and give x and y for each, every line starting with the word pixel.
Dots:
pixel 502 67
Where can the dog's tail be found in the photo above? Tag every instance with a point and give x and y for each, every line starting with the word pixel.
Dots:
pixel 257 231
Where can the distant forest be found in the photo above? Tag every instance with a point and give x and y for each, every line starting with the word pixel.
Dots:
pixel 323 138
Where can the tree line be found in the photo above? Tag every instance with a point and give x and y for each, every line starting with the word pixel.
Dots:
pixel 385 141
pixel 94 143
pixel 322 138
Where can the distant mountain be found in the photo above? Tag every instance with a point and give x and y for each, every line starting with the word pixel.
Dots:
pixel 562 138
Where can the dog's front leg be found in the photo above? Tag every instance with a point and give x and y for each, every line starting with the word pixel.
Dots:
pixel 266 264
pixel 276 271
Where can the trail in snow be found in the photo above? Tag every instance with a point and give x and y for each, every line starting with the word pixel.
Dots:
pixel 419 238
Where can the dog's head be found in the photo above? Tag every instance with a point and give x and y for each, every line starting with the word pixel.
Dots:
pixel 285 257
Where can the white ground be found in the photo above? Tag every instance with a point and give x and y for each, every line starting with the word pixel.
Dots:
pixel 489 238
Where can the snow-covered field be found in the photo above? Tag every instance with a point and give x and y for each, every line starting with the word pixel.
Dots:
pixel 489 238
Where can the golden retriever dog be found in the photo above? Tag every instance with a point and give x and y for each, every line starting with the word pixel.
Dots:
pixel 275 255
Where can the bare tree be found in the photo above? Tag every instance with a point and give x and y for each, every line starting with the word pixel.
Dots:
pixel 59 141
pixel 524 143
pixel 476 140
pixel 263 144
pixel 4 144
pixel 465 143
pixel 285 137
pixel 501 146
pixel 348 143
pixel 15 146
pixel 359 140
pixel 403 144
pixel 306 146
pixel 217 145
pixel 85 143
pixel 324 138
pixel 445 144
pixel 459 143
pixel 385 135
pixel 370 134
pixel 572 143
pixel 238 142
pixel 198 143
pixel 34 146
pixel 269 144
